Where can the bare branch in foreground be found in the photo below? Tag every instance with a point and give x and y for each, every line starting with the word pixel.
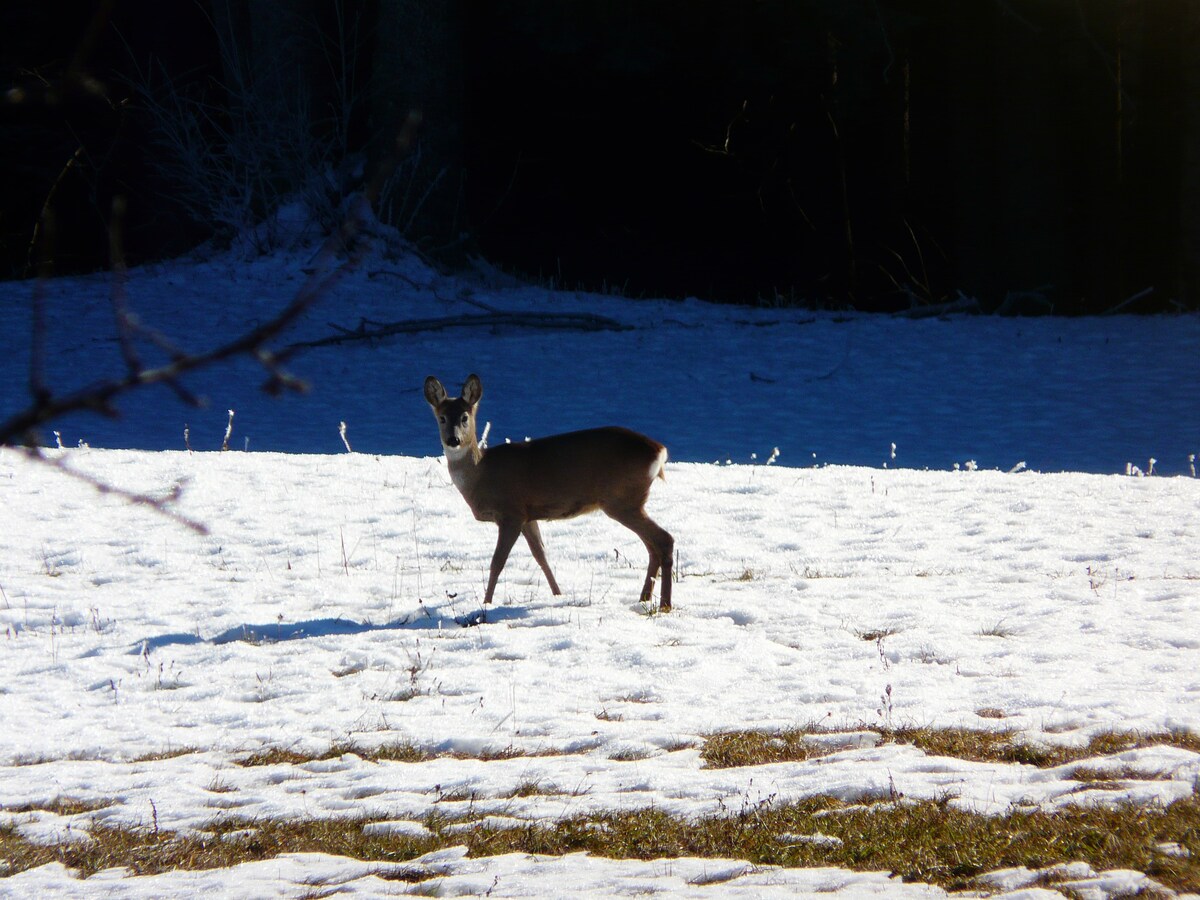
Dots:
pixel 45 406
pixel 100 397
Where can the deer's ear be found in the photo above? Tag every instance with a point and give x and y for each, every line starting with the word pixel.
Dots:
pixel 472 390
pixel 434 392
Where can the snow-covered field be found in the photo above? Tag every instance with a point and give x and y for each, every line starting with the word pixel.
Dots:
pixel 325 605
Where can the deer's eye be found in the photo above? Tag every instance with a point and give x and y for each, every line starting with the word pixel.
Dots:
pixel 442 419
pixel 463 420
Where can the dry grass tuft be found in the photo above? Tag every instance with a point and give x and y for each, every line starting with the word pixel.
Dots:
pixel 731 749
pixel 753 748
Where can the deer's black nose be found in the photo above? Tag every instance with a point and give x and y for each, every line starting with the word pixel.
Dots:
pixel 452 441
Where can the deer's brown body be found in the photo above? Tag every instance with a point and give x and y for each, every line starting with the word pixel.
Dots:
pixel 559 477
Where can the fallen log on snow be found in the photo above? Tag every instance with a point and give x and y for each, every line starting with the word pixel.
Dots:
pixel 368 330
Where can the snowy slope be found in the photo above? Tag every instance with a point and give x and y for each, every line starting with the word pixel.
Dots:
pixel 712 383
pixel 325 605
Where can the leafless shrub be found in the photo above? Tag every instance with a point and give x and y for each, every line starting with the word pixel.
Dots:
pixel 235 150
pixel 404 193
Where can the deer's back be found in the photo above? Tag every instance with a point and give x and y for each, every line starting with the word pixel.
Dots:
pixel 567 474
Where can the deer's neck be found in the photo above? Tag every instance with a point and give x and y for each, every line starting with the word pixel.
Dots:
pixel 463 463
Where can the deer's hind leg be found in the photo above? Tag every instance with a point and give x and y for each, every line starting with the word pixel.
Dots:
pixel 533 537
pixel 659 544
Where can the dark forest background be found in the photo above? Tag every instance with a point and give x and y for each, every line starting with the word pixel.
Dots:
pixel 1035 155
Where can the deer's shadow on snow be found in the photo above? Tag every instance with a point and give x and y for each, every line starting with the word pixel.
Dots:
pixel 278 632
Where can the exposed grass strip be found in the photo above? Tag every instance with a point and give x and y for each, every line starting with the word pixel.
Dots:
pixel 282 756
pixel 924 841
pixel 392 752
pixel 145 851
pixel 729 749
pixel 273 756
pixel 928 841
pixel 751 748
pixel 61 806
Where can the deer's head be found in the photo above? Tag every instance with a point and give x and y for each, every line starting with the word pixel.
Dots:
pixel 455 415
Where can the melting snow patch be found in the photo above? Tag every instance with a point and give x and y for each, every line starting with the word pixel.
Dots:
pixel 497 823
pixel 398 827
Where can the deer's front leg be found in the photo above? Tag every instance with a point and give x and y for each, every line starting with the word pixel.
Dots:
pixel 509 532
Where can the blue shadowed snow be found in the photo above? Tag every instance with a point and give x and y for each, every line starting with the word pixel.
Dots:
pixel 711 382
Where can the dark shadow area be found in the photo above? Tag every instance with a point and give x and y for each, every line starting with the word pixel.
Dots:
pixel 882 155
pixel 280 632
pixel 72 139
pixel 877 155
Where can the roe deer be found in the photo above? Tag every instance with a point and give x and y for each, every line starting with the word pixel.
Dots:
pixel 514 485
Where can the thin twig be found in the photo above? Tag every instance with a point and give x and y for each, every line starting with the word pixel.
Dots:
pixel 961 305
pixel 1140 295
pixel 45 220
pixel 160 505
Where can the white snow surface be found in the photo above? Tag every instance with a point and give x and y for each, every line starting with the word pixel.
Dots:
pixel 327 603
